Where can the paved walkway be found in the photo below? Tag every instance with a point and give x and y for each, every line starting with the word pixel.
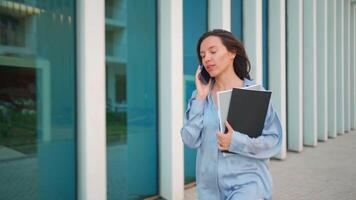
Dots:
pixel 326 172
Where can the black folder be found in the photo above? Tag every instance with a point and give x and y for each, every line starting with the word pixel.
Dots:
pixel 248 110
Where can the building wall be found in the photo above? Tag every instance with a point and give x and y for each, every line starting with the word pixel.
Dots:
pixel 38 123
pixel 106 97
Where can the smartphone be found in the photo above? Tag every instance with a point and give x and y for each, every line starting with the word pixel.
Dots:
pixel 204 75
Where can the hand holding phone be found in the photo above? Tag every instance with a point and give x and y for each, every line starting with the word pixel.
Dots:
pixel 202 82
pixel 204 75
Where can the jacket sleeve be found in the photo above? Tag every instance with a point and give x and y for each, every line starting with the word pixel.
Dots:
pixel 264 146
pixel 193 122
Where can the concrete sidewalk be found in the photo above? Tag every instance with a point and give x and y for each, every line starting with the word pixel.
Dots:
pixel 327 171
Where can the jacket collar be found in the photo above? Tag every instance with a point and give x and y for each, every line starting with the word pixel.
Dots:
pixel 248 82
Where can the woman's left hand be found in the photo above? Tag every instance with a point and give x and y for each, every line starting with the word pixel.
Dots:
pixel 224 139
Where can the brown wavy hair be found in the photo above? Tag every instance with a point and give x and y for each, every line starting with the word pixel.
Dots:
pixel 241 62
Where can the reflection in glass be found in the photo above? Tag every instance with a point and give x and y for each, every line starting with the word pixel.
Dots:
pixel 236 18
pixel 18 109
pixel 12 31
pixel 196 10
pixel 37 100
pixel 131 102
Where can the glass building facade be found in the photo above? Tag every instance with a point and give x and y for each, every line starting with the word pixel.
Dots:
pixel 131 96
pixel 195 23
pixel 42 139
pixel 37 100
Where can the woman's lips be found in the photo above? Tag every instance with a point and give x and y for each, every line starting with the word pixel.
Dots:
pixel 209 67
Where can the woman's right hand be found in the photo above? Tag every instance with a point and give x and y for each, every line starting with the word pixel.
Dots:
pixel 202 90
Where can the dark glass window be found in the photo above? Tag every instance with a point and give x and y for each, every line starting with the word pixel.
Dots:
pixel 265 43
pixel 131 77
pixel 195 23
pixel 237 18
pixel 37 100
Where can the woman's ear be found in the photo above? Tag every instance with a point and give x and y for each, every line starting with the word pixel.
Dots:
pixel 232 55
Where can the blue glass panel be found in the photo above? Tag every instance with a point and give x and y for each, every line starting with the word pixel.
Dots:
pixel 265 43
pixel 37 100
pixel 194 25
pixel 131 63
pixel 236 18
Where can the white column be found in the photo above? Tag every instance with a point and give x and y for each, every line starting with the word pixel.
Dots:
pixel 340 67
pixel 322 66
pixel 353 65
pixel 170 67
pixel 252 34
pixel 91 105
pixel 331 68
pixel 219 14
pixel 295 74
pixel 346 60
pixel 352 68
pixel 310 62
pixel 277 62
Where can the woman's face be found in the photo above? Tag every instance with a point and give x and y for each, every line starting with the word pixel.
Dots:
pixel 215 57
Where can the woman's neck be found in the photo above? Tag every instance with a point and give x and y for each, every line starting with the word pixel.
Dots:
pixel 227 80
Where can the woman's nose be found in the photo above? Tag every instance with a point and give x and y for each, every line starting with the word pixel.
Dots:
pixel 207 58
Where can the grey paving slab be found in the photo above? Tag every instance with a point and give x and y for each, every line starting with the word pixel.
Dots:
pixel 18 179
pixel 19 175
pixel 7 153
pixel 327 171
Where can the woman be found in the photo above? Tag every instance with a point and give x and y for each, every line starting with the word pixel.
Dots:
pixel 242 174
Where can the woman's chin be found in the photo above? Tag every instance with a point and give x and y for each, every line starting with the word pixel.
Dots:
pixel 212 74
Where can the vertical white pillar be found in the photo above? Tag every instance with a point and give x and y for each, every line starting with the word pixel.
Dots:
pixel 309 87
pixel 170 67
pixel 91 105
pixel 219 14
pixel 252 34
pixel 322 66
pixel 352 66
pixel 340 67
pixel 331 68
pixel 277 62
pixel 295 74
pixel 346 60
